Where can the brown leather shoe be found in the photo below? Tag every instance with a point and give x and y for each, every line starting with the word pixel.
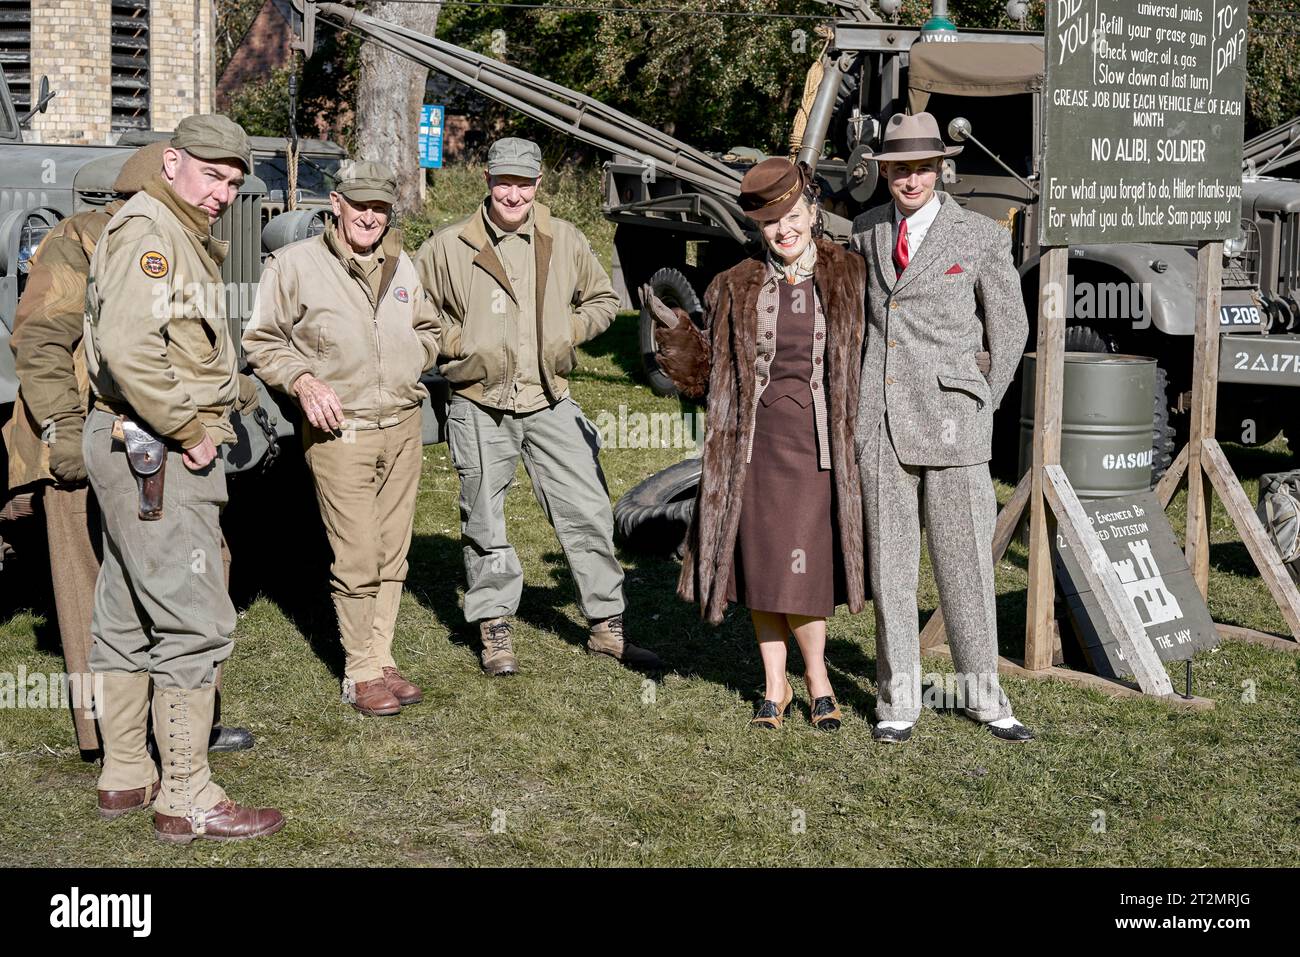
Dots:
pixel 498 652
pixel 606 638
pixel 403 690
pixel 373 698
pixel 113 804
pixel 227 821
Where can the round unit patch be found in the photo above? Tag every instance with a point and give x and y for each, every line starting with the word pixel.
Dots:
pixel 400 294
pixel 154 265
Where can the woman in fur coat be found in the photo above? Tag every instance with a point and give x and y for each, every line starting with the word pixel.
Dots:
pixel 778 514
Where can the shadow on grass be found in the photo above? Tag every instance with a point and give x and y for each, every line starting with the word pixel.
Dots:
pixel 279 551
pixel 621 342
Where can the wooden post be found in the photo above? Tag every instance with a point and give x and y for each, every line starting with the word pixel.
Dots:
pixel 1049 370
pixel 1205 380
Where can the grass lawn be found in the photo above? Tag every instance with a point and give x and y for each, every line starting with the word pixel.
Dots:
pixel 577 761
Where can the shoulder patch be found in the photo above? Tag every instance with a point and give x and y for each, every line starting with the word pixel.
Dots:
pixel 401 295
pixel 154 265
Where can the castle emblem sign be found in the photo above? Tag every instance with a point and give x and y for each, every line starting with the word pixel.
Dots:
pixel 1153 571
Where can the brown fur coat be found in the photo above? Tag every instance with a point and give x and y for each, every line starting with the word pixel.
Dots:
pixel 722 364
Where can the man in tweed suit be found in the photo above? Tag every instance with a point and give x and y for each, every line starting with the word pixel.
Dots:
pixel 941 290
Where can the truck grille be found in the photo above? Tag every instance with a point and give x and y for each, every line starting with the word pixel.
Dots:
pixel 241 226
pixel 1288 257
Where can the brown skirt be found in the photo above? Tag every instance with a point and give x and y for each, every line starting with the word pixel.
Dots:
pixel 787 557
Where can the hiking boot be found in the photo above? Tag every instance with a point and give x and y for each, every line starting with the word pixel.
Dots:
pixel 606 638
pixel 498 651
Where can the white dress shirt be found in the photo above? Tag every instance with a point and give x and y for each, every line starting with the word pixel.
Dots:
pixel 918 224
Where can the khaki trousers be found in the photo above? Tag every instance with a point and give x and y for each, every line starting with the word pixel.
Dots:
pixel 366 484
pixel 960 512
pixel 161 603
pixel 71 529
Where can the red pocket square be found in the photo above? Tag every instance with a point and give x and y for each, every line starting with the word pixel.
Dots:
pixel 954 269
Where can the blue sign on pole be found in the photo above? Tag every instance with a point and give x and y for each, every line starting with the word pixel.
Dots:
pixel 431 136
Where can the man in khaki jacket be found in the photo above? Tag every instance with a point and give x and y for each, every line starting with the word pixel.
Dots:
pixel 342 324
pixel 518 291
pixel 43 437
pixel 162 365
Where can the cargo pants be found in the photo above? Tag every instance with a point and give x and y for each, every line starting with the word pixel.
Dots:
pixel 559 447
pixel 161 604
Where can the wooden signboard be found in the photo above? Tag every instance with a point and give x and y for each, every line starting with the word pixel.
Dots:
pixel 1153 571
pixel 1145 101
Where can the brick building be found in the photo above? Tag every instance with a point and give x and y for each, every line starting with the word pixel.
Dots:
pixel 116 65
pixel 263 48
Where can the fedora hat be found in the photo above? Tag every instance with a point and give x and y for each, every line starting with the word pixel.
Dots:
pixel 771 188
pixel 912 138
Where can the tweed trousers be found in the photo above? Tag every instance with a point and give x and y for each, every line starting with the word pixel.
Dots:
pixel 960 512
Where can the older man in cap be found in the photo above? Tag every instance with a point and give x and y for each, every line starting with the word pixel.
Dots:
pixel 43 437
pixel 163 370
pixel 519 290
pixel 343 325
pixel 942 291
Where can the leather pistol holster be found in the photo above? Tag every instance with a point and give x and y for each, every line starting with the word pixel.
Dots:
pixel 147 457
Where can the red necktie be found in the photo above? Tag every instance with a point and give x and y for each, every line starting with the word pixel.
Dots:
pixel 901 255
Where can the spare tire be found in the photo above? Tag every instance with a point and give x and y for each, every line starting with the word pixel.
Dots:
pixel 674 290
pixel 653 516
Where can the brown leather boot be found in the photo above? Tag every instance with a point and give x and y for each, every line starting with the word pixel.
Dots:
pixel 606 638
pixel 498 650
pixel 405 692
pixel 227 821
pixel 373 698
pixel 191 804
pixel 113 804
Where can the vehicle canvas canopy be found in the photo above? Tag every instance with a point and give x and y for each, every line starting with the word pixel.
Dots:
pixel 973 69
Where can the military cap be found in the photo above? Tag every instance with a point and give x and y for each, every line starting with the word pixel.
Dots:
pixel 212 136
pixel 513 156
pixel 365 181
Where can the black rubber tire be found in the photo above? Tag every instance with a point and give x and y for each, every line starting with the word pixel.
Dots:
pixel 1088 339
pixel 675 291
pixel 653 516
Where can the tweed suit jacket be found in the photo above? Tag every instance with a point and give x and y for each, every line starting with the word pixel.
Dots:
pixel 959 295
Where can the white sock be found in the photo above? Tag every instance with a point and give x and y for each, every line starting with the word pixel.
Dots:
pixel 895 725
pixel 1004 723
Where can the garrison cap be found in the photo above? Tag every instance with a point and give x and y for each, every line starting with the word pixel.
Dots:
pixel 513 156
pixel 365 181
pixel 211 136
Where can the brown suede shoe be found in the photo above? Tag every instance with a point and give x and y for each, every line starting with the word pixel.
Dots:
pixel 374 698
pixel 113 804
pixel 227 821
pixel 606 638
pixel 498 653
pixel 403 690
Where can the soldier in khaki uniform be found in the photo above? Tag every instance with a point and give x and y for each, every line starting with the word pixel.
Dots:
pixel 342 324
pixel 43 437
pixel 161 360
pixel 518 291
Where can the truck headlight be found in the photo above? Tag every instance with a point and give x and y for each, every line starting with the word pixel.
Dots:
pixel 33 231
pixel 1234 247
